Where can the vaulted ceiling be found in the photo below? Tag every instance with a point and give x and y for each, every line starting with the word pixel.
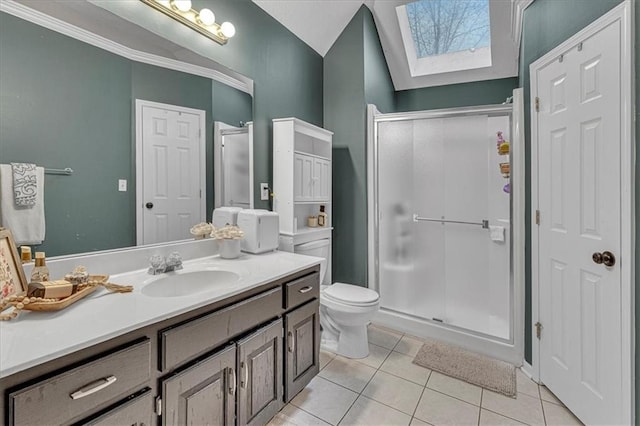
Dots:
pixel 320 22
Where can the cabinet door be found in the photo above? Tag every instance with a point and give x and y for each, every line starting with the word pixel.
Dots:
pixel 302 177
pixel 321 180
pixel 303 347
pixel 203 394
pixel 260 375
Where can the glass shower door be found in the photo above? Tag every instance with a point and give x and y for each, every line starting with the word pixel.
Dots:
pixel 433 173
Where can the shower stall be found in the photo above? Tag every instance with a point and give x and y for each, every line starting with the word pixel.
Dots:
pixel 445 225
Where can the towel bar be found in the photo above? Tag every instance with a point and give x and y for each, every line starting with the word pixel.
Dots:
pixel 66 171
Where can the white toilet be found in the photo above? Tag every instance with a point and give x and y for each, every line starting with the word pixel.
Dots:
pixel 345 309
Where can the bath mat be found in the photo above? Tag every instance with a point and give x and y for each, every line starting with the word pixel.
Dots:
pixel 480 370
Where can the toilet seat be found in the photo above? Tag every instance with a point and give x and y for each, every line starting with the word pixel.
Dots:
pixel 351 295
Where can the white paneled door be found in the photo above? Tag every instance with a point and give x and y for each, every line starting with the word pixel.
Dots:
pixel 579 233
pixel 171 193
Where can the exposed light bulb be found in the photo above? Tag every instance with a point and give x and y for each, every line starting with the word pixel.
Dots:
pixel 182 5
pixel 207 17
pixel 228 30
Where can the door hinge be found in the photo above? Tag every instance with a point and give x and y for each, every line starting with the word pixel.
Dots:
pixel 537 217
pixel 537 104
pixel 538 327
pixel 159 405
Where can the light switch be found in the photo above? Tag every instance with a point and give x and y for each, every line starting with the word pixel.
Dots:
pixel 122 185
pixel 264 191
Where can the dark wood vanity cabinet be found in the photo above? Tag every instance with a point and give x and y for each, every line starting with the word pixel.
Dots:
pixel 302 328
pixel 202 394
pixel 234 362
pixel 260 375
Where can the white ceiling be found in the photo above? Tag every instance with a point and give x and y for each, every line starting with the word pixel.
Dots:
pixel 319 23
pixel 316 22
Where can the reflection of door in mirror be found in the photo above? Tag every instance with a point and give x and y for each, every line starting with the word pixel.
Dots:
pixel 233 156
pixel 170 145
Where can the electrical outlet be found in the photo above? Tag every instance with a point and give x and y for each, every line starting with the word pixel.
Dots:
pixel 264 191
pixel 122 185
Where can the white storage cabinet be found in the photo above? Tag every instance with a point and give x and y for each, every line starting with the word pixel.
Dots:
pixel 301 181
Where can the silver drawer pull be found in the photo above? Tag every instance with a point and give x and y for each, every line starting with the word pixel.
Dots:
pixel 232 385
pixel 244 383
pixel 93 387
pixel 292 342
pixel 306 289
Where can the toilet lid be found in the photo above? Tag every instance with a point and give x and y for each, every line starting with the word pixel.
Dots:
pixel 351 294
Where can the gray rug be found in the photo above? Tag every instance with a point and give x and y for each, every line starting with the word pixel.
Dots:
pixel 492 374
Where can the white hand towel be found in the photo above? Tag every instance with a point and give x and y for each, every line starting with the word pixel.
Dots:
pixel 26 223
pixel 496 233
pixel 25 184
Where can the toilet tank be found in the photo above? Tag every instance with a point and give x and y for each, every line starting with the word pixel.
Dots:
pixel 317 248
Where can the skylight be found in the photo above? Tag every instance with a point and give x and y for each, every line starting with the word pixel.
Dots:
pixel 447 26
pixel 443 36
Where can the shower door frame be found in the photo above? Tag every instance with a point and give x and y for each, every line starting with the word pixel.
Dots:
pixel 512 349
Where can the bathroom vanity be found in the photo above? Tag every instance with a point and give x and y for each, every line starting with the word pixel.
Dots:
pixel 233 356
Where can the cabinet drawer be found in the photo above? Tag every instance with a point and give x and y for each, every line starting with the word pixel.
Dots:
pixel 83 389
pixel 299 291
pixel 137 411
pixel 186 341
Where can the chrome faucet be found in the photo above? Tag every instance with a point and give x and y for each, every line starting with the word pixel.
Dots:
pixel 160 265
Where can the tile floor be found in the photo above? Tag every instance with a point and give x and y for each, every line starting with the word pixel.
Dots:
pixel 386 388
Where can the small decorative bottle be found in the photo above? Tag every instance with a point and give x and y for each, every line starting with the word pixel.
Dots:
pixel 322 217
pixel 40 271
pixel 25 254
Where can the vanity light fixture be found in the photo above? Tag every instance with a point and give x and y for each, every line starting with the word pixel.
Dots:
pixel 203 22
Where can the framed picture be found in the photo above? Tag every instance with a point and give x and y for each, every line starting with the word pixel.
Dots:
pixel 12 278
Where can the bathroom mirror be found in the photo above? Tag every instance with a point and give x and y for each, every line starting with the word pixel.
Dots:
pixel 71 103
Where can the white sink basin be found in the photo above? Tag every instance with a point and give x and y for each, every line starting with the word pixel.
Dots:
pixel 186 283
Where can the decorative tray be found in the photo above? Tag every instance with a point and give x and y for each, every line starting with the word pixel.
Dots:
pixel 56 305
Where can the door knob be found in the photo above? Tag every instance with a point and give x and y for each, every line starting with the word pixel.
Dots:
pixel 149 205
pixel 606 257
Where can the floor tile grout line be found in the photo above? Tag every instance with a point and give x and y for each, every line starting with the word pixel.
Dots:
pixel 360 393
pixel 503 415
pixel 420 399
pixel 455 397
pixel 544 415
pixel 311 414
pixel 480 410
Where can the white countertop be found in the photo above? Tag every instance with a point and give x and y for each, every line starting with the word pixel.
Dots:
pixel 37 337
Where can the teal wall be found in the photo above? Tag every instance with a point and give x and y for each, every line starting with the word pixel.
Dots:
pixel 344 114
pixel 637 221
pixel 456 95
pixel 64 103
pixel 287 74
pixel 355 74
pixel 378 86
pixel 48 117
